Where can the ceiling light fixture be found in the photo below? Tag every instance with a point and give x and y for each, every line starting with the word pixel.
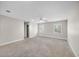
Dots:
pixel 43 19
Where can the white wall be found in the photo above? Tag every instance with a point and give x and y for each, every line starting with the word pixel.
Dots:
pixel 33 29
pixel 11 29
pixel 47 29
pixel 73 30
pixel 25 30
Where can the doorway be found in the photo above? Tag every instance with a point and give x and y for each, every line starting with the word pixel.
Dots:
pixel 26 29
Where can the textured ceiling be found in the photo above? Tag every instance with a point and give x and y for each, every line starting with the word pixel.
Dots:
pixel 33 11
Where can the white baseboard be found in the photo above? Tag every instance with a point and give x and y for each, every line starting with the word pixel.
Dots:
pixel 6 43
pixel 48 35
pixel 72 50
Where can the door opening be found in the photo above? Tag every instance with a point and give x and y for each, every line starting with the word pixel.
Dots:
pixel 26 30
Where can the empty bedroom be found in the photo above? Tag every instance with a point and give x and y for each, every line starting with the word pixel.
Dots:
pixel 39 28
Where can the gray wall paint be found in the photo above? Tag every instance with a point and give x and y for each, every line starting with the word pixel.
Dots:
pixel 10 29
pixel 47 29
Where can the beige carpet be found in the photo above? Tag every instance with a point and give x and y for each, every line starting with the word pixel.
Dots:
pixel 37 47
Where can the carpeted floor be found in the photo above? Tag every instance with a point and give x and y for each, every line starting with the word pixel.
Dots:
pixel 37 47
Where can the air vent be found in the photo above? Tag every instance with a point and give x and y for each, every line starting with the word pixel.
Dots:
pixel 8 11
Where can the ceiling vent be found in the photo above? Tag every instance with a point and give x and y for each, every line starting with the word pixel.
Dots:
pixel 8 11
